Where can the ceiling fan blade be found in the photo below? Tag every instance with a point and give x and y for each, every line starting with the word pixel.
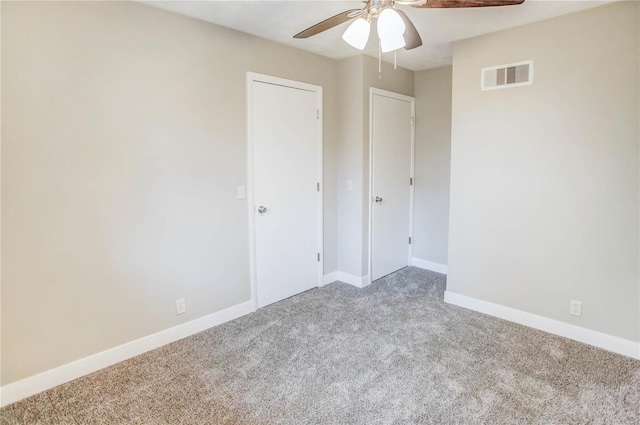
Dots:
pixel 411 37
pixel 327 23
pixel 441 4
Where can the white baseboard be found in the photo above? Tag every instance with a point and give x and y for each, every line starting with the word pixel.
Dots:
pixel 330 278
pixel 350 279
pixel 359 282
pixel 51 378
pixel 429 265
pixel 587 336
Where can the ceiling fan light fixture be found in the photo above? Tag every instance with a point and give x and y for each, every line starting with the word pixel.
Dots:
pixel 391 28
pixel 357 34
pixel 392 24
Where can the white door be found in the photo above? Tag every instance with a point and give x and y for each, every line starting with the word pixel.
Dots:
pixel 285 143
pixel 391 181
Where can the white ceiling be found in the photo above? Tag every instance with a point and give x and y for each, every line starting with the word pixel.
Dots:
pixel 280 20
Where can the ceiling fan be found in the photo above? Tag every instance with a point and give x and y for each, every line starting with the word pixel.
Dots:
pixel 395 29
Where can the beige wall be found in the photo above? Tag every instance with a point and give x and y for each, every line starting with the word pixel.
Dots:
pixel 123 141
pixel 544 178
pixel 349 165
pixel 432 164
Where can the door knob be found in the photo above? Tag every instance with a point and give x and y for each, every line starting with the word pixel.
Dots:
pixel 378 199
pixel 262 209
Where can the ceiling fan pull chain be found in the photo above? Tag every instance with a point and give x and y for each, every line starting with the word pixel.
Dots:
pixel 379 59
pixel 395 60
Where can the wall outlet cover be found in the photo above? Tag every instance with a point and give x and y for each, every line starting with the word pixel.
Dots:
pixel 575 308
pixel 181 306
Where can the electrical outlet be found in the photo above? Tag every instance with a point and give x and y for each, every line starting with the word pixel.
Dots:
pixel 181 306
pixel 575 308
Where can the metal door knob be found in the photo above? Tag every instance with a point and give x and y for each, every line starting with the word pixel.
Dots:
pixel 378 199
pixel 262 209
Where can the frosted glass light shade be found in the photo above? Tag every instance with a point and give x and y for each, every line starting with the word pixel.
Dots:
pixel 390 44
pixel 357 34
pixel 390 25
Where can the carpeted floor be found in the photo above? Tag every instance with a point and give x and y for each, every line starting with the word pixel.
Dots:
pixel 392 353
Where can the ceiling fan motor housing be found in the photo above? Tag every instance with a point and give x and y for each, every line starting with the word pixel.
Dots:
pixel 374 7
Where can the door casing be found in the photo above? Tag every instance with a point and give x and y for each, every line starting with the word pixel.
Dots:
pixel 379 92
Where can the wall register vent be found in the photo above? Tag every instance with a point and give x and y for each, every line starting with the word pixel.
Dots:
pixel 506 76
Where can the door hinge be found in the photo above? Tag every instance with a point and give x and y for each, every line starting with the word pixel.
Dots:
pixel 318 186
pixel 410 181
pixel 318 113
pixel 318 256
pixel 413 120
pixel 409 240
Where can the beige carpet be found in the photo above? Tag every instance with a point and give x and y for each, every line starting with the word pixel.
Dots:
pixel 393 353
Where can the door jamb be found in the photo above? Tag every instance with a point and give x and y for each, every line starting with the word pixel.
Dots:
pixel 252 78
pixel 373 92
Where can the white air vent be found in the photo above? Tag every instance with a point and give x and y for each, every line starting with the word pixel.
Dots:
pixel 507 76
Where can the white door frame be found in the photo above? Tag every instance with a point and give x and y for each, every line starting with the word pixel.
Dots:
pixel 412 100
pixel 255 77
